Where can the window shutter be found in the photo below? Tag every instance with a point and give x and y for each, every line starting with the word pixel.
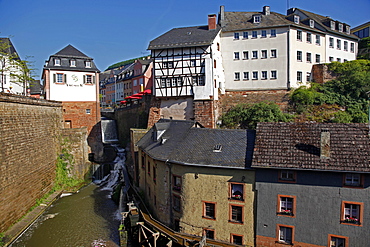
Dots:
pixel 93 80
pixel 65 78
pixel 84 79
pixel 54 77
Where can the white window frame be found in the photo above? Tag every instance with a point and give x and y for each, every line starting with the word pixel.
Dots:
pixel 254 34
pixel 318 39
pixel 245 55
pixel 299 35
pixel 309 38
pixel 273 33
pixel 236 36
pixel 56 62
pixel 254 54
pixel 299 76
pixel 236 76
pixel 263 33
pixel 245 35
pixel 264 54
pixel 255 75
pixel 236 55
pixel 246 75
pixel 285 234
pixel 273 53
pixel 273 74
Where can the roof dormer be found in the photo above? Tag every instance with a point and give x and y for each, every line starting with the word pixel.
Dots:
pixel 257 18
pixel 296 19
pixel 312 23
pixel 340 27
pixel 332 25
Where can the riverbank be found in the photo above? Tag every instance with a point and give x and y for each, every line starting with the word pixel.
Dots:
pixel 18 228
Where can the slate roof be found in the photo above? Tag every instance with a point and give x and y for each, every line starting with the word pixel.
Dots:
pixel 185 37
pixel 182 143
pixel 297 146
pixel 10 47
pixel 66 55
pixel 234 21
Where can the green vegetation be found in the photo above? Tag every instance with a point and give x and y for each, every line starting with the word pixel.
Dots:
pixel 342 100
pixel 364 49
pixel 123 63
pixel 2 243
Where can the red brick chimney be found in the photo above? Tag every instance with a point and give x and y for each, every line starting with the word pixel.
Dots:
pixel 211 22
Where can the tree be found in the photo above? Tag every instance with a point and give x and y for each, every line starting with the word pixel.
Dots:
pixel 8 56
pixel 25 73
pixel 246 116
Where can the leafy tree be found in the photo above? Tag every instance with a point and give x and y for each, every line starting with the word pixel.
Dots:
pixel 25 73
pixel 7 60
pixel 364 49
pixel 246 116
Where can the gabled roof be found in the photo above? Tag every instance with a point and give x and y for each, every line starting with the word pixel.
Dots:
pixel 298 146
pixel 65 56
pixel 178 141
pixel 10 49
pixel 185 37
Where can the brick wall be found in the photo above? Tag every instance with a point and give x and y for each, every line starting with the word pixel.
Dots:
pixel 81 114
pixel 204 113
pixel 29 132
pixel 321 73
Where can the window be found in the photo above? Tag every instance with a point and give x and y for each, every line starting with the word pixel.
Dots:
pixel 286 205
pixel 163 82
pixel 245 55
pixel 273 33
pixel 273 74
pixel 299 56
pixel 352 47
pixel 309 38
pixel 338 59
pixel 312 23
pixel 352 213
pixel 237 76
pixel 332 25
pixel 285 234
pixel 176 183
pixel 339 42
pixel 236 191
pixel 56 62
pixel 176 203
pixel 236 55
pixel 273 53
pixel 193 63
pixel 264 54
pixel 88 79
pixel 352 179
pixel 299 35
pixel 179 81
pixel 263 34
pixel 149 168
pixel 296 19
pixel 209 233
pixel 299 76
pixel 308 57
pixel 60 78
pixel 256 19
pixel 209 210
pixel 254 75
pixel 154 174
pixel 245 35
pixel 245 75
pixel 88 111
pixel 345 45
pixel 317 58
pixel 168 65
pixel 338 241
pixel 308 76
pixel 214 63
pixel 331 59
pixel 174 82
pixel 236 239
pixel 73 63
pixel 254 34
pixel 318 39
pixel 236 214
pixel 331 42
pixel 236 35
pixel 88 64
pixel 254 54
pixel 264 75
pixel 340 27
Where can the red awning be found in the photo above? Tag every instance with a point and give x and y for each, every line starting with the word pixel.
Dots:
pixel 146 91
pixel 123 102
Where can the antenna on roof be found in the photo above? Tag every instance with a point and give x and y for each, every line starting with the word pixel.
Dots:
pixel 287 4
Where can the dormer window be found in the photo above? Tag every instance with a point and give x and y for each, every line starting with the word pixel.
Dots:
pixel 57 62
pixel 296 19
pixel 348 30
pixel 256 19
pixel 332 25
pixel 312 23
pixel 340 27
pixel 88 64
pixel 73 63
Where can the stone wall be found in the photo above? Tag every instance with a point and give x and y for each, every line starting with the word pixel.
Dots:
pixel 29 136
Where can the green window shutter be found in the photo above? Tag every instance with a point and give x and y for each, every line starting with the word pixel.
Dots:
pixel 55 78
pixel 65 78
pixel 84 79
pixel 93 80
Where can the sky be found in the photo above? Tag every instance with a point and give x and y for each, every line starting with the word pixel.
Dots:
pixel 112 31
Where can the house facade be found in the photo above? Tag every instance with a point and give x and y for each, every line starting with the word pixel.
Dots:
pixel 197 180
pixel 312 184
pixel 71 77
pixel 268 51
pixel 188 72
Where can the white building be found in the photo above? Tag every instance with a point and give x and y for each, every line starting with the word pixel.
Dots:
pixel 267 50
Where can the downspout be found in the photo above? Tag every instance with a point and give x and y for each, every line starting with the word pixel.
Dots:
pixel 288 58
pixel 170 191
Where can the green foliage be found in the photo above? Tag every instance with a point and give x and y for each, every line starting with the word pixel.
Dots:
pixel 246 116
pixel 364 49
pixel 117 65
pixel 64 166
pixel 2 243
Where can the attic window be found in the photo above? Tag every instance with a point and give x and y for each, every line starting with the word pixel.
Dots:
pixel 88 64
pixel 312 23
pixel 73 63
pixel 217 148
pixel 332 25
pixel 57 62
pixel 348 30
pixel 340 27
pixel 257 19
pixel 296 19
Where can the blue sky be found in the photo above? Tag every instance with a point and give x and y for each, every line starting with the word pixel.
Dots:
pixel 111 31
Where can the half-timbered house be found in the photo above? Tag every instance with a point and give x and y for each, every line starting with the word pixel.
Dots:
pixel 188 72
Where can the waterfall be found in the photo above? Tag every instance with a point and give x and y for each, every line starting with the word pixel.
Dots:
pixel 109 131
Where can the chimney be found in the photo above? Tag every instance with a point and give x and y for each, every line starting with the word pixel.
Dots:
pixel 222 16
pixel 325 144
pixel 211 22
pixel 266 10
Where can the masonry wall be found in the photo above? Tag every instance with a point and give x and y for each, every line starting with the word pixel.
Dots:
pixel 29 132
